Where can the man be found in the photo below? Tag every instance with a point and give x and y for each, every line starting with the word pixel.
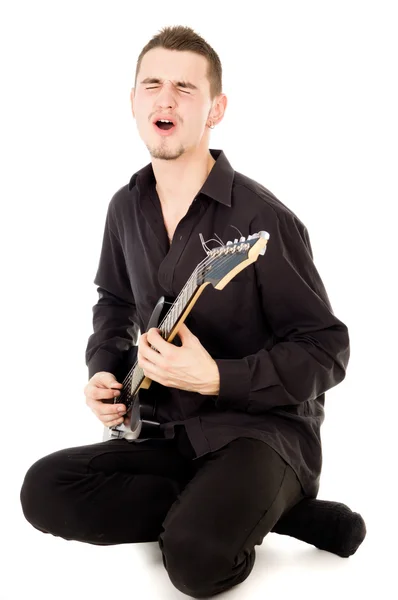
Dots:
pixel 241 399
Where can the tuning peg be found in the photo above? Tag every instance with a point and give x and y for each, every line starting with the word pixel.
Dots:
pixel 229 243
pixel 236 240
pixel 242 239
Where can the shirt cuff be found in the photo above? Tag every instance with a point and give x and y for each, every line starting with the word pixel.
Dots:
pixel 103 361
pixel 234 384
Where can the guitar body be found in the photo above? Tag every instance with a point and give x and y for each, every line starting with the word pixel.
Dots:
pixel 142 409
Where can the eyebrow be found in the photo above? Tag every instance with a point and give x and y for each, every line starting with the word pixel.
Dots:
pixel 186 84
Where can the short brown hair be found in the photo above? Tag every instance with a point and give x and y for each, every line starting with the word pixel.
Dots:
pixel 184 38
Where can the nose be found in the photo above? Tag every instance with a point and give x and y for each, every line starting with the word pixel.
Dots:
pixel 165 96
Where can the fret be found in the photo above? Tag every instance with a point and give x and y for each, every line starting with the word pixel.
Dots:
pixel 172 317
pixel 177 308
pixel 138 376
pixel 167 326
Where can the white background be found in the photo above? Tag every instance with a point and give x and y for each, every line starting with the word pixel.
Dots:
pixel 312 115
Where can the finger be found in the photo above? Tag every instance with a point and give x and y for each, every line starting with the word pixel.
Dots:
pixel 152 357
pixel 110 420
pixel 183 328
pixel 97 392
pixel 112 417
pixel 145 345
pixel 103 393
pixel 156 374
pixel 100 408
pixel 185 334
pixel 154 338
pixel 111 410
pixel 152 371
pixel 105 379
pixel 113 422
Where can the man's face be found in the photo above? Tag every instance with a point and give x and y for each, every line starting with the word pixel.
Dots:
pixel 190 108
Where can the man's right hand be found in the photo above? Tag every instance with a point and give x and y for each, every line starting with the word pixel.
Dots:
pixel 99 396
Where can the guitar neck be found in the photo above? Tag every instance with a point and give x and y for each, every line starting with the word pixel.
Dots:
pixel 218 268
pixel 175 316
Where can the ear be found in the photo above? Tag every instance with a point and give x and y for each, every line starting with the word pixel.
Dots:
pixel 219 108
pixel 132 101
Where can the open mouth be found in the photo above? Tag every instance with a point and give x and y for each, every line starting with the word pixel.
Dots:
pixel 164 125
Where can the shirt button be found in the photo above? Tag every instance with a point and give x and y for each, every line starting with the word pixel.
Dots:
pixel 180 237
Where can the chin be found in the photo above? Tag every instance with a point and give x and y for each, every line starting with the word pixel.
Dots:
pixel 164 153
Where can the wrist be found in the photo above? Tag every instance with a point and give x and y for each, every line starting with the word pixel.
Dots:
pixel 212 386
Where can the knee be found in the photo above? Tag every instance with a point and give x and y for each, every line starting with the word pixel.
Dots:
pixel 194 565
pixel 35 488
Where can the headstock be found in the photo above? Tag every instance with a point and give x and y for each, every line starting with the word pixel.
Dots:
pixel 224 263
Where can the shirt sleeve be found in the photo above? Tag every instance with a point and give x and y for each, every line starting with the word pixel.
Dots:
pixel 310 349
pixel 113 344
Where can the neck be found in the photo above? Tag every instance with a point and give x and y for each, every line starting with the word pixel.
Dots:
pixel 178 181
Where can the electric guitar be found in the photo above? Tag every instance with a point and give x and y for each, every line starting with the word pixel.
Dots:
pixel 220 266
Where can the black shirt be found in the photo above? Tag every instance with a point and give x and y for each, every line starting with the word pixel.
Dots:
pixel 271 330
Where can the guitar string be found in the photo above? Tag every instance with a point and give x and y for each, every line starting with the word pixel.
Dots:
pixel 204 263
pixel 128 378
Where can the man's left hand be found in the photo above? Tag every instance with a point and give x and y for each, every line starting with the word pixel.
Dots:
pixel 188 367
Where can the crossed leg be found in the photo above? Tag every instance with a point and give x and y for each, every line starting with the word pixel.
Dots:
pixel 233 500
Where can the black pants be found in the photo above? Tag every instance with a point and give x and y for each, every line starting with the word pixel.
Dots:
pixel 206 514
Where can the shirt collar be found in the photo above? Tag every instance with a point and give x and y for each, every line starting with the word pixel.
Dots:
pixel 218 184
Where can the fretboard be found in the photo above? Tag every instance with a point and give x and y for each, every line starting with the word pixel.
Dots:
pixel 136 374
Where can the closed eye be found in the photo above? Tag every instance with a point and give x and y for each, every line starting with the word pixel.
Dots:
pixel 154 88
